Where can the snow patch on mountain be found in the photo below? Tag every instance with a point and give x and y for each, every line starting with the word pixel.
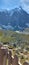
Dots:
pixel 7 27
pixel 0 28
pixel 27 24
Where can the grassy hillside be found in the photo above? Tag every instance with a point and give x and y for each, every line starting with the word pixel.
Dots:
pixel 13 37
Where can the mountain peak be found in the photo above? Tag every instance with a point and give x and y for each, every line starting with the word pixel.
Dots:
pixel 16 17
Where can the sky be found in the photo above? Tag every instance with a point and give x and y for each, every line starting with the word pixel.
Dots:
pixel 11 4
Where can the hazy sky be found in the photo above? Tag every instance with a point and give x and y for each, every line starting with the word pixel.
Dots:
pixel 9 4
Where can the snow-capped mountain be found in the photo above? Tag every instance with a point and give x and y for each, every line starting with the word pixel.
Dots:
pixel 15 19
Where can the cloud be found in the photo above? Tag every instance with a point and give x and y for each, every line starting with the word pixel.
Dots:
pixel 26 2
pixel 25 5
pixel 10 4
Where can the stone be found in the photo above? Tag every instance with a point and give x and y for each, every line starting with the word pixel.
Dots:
pixel 3 55
pixel 15 60
pixel 25 63
pixel 9 58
